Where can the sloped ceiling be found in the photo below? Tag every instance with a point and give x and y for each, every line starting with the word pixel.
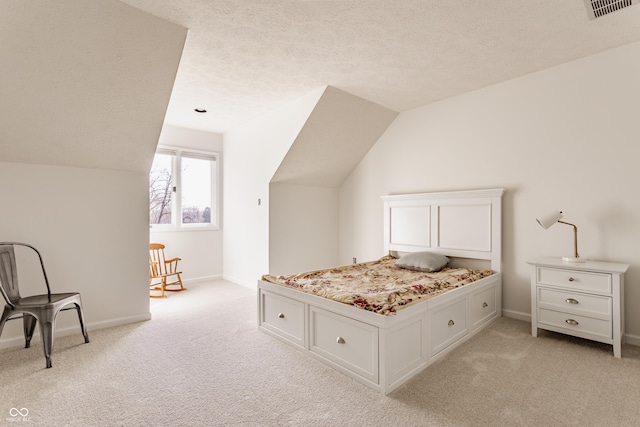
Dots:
pixel 243 58
pixel 338 133
pixel 84 83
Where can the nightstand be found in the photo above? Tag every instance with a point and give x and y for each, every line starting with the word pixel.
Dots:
pixel 583 299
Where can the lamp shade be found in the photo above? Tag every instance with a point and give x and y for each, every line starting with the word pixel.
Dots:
pixel 550 219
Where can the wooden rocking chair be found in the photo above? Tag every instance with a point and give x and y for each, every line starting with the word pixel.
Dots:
pixel 160 269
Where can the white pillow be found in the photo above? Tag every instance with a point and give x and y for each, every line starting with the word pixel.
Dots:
pixel 423 261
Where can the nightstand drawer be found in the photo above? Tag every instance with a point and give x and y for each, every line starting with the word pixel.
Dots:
pixel 574 279
pixel 575 323
pixel 575 302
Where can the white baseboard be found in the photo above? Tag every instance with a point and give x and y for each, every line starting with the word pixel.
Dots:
pixel 201 279
pixel 518 315
pixel 71 330
pixel 117 322
pixel 632 339
pixel 252 286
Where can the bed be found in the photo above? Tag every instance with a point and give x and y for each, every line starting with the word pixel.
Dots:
pixel 383 342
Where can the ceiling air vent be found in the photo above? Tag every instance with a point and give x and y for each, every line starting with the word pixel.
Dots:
pixel 599 8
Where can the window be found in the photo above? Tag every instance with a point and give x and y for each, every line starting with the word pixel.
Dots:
pixel 183 182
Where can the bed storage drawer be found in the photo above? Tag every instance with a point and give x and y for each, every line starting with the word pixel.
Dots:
pixel 348 343
pixel 283 317
pixel 448 324
pixel 482 306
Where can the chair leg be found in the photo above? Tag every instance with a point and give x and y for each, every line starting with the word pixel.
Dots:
pixel 182 288
pixel 178 282
pixel 47 331
pixel 157 287
pixel 3 319
pixel 29 325
pixel 82 325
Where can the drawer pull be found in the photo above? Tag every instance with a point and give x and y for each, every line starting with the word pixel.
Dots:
pixel 340 340
pixel 451 323
pixel 280 315
pixel 572 322
pixel 571 301
pixel 571 279
pixel 485 305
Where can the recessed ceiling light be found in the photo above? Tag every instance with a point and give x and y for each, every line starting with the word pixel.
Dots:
pixel 199 110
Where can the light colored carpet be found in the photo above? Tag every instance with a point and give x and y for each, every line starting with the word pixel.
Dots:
pixel 202 362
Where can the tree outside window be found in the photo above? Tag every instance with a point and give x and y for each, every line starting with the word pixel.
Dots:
pixel 161 189
pixel 191 192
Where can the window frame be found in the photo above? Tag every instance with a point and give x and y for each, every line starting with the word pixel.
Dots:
pixel 177 153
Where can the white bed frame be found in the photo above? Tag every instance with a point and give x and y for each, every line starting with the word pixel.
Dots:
pixel 384 352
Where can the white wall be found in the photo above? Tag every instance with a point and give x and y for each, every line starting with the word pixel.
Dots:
pixel 91 227
pixel 565 138
pixel 253 153
pixel 303 228
pixel 303 209
pixel 200 250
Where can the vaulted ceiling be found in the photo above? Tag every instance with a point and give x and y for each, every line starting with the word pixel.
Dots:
pixel 88 83
pixel 84 83
pixel 245 57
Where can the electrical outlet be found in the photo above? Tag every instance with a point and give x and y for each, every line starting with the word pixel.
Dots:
pixel 259 202
pixel 354 260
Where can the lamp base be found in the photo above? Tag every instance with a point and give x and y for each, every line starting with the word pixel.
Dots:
pixel 572 259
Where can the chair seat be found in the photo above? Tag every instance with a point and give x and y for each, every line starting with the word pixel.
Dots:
pixel 42 300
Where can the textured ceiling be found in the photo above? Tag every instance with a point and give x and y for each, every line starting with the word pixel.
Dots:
pixel 245 57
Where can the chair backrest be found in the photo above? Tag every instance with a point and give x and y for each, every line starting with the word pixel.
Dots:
pixel 156 260
pixel 9 271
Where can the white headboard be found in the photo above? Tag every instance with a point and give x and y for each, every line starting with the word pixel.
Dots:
pixel 461 224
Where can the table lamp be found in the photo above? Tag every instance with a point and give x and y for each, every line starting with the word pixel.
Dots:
pixel 553 218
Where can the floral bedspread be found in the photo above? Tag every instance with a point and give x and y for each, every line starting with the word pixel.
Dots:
pixel 378 286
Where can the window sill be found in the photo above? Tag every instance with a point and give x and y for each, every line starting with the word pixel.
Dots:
pixel 170 229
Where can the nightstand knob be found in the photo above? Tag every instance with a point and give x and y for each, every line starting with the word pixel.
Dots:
pixel 281 316
pixel 451 323
pixel 340 340
pixel 572 322
pixel 571 301
pixel 485 305
pixel 571 279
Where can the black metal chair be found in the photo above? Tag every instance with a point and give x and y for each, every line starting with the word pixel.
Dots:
pixel 43 308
